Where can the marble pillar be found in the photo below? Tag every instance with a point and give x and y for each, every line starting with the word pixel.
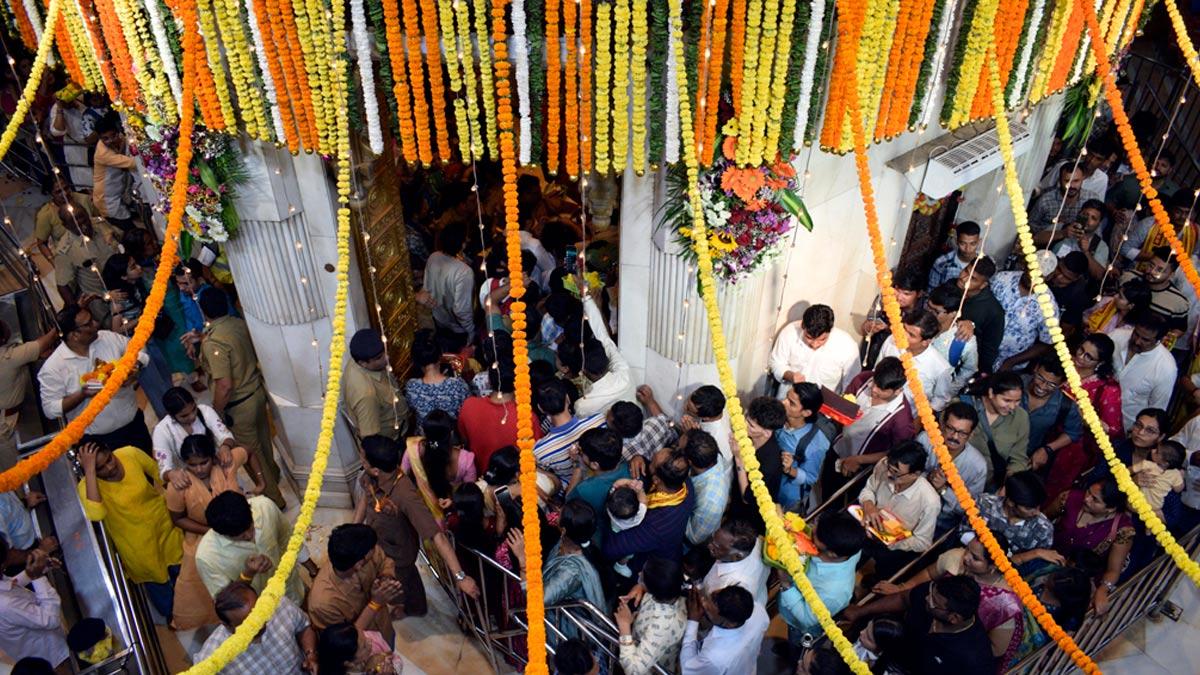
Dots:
pixel 283 262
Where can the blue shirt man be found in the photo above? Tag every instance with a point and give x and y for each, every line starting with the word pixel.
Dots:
pixel 803 445
pixel 839 540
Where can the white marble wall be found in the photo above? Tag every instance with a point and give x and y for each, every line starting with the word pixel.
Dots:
pixel 831 265
pixel 284 265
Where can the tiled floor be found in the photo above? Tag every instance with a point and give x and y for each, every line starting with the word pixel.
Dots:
pixel 1159 646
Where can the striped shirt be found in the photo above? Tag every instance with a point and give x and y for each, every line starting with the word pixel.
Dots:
pixel 552 451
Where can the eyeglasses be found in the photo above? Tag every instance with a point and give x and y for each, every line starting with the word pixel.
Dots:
pixel 1138 426
pixel 1043 380
pixel 893 471
pixel 1086 355
pixel 957 433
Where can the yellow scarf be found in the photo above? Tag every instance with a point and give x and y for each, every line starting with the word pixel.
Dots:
pixel 1101 317
pixel 656 500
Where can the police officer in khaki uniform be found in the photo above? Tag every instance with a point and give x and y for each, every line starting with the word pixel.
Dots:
pixel 81 255
pixel 373 400
pixel 14 383
pixel 47 225
pixel 239 393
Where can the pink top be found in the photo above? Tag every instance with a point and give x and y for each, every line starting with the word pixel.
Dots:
pixel 466 467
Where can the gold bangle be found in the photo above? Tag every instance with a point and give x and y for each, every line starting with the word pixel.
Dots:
pixel 374 605
pixel 245 578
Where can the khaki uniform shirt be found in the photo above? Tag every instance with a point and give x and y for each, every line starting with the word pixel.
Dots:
pixel 47 225
pixel 369 397
pixel 78 264
pixel 229 352
pixel 334 599
pixel 401 533
pixel 15 376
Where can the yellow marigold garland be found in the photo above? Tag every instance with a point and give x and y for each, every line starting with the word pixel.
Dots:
pixel 776 531
pixel 1051 47
pixel 147 70
pixel 124 367
pixel 783 49
pixel 874 49
pixel 486 82
pixel 1131 26
pixel 268 600
pixel 220 86
pixel 311 57
pixel 641 36
pixel 982 31
pixel 446 20
pixel 84 49
pixel 318 34
pixel 603 90
pixel 31 86
pixel 251 101
pixel 749 80
pixel 754 135
pixel 1181 37
pixel 466 53
pixel 91 27
pixel 620 85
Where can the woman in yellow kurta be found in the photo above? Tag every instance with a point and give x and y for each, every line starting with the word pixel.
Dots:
pixel 194 606
pixel 121 489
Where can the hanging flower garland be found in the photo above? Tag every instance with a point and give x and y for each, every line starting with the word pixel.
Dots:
pixel 66 52
pixel 1135 21
pixel 270 596
pixel 604 58
pixel 446 20
pixel 208 29
pixel 294 78
pixel 897 63
pixel 520 59
pixel 585 86
pixel 835 134
pixel 114 38
pixel 437 91
pixel 571 109
pixel 712 97
pixel 1007 32
pixel 387 83
pixel 103 65
pixel 31 12
pixel 84 49
pixel 312 56
pixel 795 72
pixel 408 138
pixel 671 124
pixel 773 121
pixel 241 69
pixel 165 56
pixel 1182 38
pixel 749 80
pixel 414 84
pixel 266 64
pixel 534 593
pixel 1051 45
pixel 487 86
pixel 34 464
pixel 933 63
pixel 1072 34
pixel 814 51
pixel 769 35
pixel 620 85
pixel 24 25
pixel 553 87
pixel 535 35
pixel 1020 76
pixel 737 53
pixel 776 531
pixel 879 36
pixel 366 74
pixel 958 111
pixel 641 38
pixel 1133 493
pixel 701 61
pixel 462 20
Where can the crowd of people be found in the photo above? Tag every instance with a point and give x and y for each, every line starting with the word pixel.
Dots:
pixel 647 515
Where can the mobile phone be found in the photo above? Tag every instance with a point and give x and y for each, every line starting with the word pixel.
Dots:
pixel 570 259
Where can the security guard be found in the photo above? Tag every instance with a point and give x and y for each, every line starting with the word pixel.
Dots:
pixel 239 393
pixel 373 401
pixel 47 225
pixel 80 256
pixel 14 358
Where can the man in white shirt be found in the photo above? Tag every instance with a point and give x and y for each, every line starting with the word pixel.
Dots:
pixel 83 349
pixel 450 282
pixel 731 647
pixel 962 355
pixel 933 368
pixel 813 350
pixel 898 486
pixel 1189 438
pixel 737 551
pixel 611 381
pixel 705 410
pixel 184 418
pixel 957 423
pixel 1144 367
pixel 31 620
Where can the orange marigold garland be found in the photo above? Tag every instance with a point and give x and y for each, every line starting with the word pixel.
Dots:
pixel 927 417
pixel 24 25
pixel 851 16
pixel 1008 24
pixel 416 77
pixel 534 594
pixel 553 78
pixel 585 85
pixel 1069 47
pixel 904 95
pixel 400 86
pixel 437 90
pixel 93 33
pixel 275 55
pixel 737 54
pixel 15 477
pixel 712 96
pixel 570 75
pixel 115 40
pixel 703 73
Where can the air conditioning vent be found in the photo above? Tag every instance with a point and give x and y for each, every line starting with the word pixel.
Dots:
pixel 959 158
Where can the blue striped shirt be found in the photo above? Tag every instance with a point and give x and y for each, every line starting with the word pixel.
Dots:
pixel 552 451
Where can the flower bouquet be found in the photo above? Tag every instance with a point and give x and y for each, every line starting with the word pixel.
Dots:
pixel 215 172
pixel 97 376
pixel 799 533
pixel 747 211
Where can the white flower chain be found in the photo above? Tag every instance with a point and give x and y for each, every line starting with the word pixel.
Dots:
pixel 1023 71
pixel 672 128
pixel 520 57
pixel 264 67
pixel 813 43
pixel 362 49
pixel 164 49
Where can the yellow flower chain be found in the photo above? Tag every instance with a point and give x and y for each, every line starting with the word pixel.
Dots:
pixel 603 91
pixel 147 68
pixel 1137 502
pixel 755 134
pixel 208 28
pixel 236 39
pixel 1052 45
pixel 85 52
pixel 321 27
pixel 754 12
pixel 1115 28
pixel 466 52
pixel 34 81
pixel 982 28
pixel 1135 16
pixel 776 530
pixel 640 41
pixel 446 25
pixel 783 50
pixel 620 86
pixel 1182 37
pixel 313 58
pixel 879 50
pixel 482 31
pixel 269 599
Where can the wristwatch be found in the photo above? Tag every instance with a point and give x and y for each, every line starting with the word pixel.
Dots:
pixel 460 575
pixel 626 640
pixel 1109 585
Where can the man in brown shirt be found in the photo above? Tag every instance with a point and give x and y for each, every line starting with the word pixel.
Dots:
pixel 394 509
pixel 356 585
pixel 14 373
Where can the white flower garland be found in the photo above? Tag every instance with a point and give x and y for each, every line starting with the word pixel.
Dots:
pixel 260 51
pixel 1084 50
pixel 164 49
pixel 1022 71
pixel 35 19
pixel 816 25
pixel 520 57
pixel 939 61
pixel 362 48
pixel 672 129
